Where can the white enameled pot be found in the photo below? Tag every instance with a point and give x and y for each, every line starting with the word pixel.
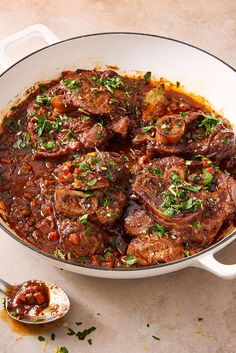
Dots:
pixel 197 70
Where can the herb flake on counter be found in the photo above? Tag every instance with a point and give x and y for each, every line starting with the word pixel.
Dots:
pixel 61 350
pixel 81 335
pixel 53 336
pixel 200 318
pixel 41 338
pixel 90 342
pixel 156 338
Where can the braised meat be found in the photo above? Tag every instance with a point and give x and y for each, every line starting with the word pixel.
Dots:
pixel 107 170
pixel 189 134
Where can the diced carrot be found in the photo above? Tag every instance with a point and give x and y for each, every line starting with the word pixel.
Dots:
pixel 66 169
pixel 47 210
pixel 40 298
pixel 95 261
pixel 20 298
pixel 74 238
pixel 53 236
pixel 77 171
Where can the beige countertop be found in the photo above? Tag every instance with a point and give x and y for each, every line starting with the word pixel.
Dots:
pixel 171 304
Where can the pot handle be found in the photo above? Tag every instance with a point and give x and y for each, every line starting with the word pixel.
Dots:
pixel 210 264
pixel 38 30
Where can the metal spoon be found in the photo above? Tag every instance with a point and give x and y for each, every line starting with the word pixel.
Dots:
pixel 58 305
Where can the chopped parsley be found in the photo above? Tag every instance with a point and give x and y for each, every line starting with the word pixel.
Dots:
pixel 209 122
pixel 61 350
pixel 42 88
pixel 156 338
pixel 42 100
pixel 110 83
pixel 147 128
pixel 92 182
pixel 147 76
pixel 53 336
pixel 81 335
pixel 83 219
pixel 72 84
pixel 225 140
pixel 113 100
pixel 41 338
pixel 49 145
pixel 208 177
pixel 197 224
pixel 183 115
pixel 42 125
pixel 129 260
pixel 90 342
pixel 157 171
pixel 19 144
pixel 177 83
pixel 158 229
pixel 82 258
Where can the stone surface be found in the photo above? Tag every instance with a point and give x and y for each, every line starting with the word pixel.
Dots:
pixel 170 304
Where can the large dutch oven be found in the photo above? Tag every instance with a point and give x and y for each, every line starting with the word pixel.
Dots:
pixel 199 71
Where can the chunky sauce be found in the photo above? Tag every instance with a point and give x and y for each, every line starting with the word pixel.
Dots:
pixel 113 171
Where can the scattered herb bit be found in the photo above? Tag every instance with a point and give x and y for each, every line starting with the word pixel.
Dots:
pixel 61 350
pixel 148 325
pixel 175 178
pixel 137 111
pixel 207 177
pixel 41 338
pixel 19 144
pixel 53 336
pixel 113 241
pixel 92 182
pixel 186 251
pixel 42 88
pixel 84 112
pixel 42 100
pixel 147 128
pixel 83 219
pixel 197 225
pixel 78 323
pixel 147 76
pixel 100 258
pixel 42 125
pixel 98 314
pixel 129 260
pixel 49 145
pixel 157 171
pixel 156 338
pixel 4 302
pixel 225 140
pixel 209 122
pixel 183 115
pixel 109 82
pixel 82 258
pixel 110 176
pixel 13 313
pixel 158 229
pixel 113 100
pixel 70 332
pixel 72 84
pixel 90 341
pixel 81 335
pixel 177 84
pixel 125 158
pixel 88 230
pixel 200 318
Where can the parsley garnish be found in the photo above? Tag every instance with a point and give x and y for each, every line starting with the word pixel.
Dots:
pixel 83 219
pixel 113 100
pixel 207 177
pixel 129 260
pixel 42 100
pixel 183 115
pixel 147 76
pixel 158 229
pixel 147 128
pixel 197 225
pixel 53 336
pixel 92 182
pixel 42 125
pixel 41 338
pixel 62 350
pixel 109 82
pixel 156 338
pixel 72 84
pixel 208 122
pixel 157 171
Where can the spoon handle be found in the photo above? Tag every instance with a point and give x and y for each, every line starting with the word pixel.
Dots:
pixel 5 287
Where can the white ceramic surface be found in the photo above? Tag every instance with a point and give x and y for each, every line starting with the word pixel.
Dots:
pixel 198 71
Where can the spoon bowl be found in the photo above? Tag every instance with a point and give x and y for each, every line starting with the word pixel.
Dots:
pixel 57 306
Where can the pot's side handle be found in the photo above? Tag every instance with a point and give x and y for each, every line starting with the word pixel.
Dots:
pixel 38 30
pixel 209 263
